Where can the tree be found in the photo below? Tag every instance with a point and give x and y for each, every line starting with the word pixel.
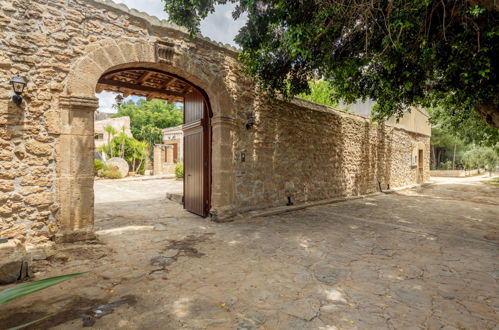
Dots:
pixel 135 151
pixel 479 157
pixel 150 134
pixel 122 135
pixel 490 159
pixel 444 147
pixel 320 92
pixel 399 53
pixel 147 115
pixel 111 132
pixel 470 129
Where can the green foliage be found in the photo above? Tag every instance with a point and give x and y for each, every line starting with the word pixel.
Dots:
pixel 147 118
pixel 111 173
pixel 133 151
pixel 98 165
pixel 446 165
pixel 29 323
pixel 446 148
pixel 481 157
pixel 319 92
pixel 179 170
pixel 494 181
pixel 431 53
pixel 111 132
pixel 469 127
pixel 24 289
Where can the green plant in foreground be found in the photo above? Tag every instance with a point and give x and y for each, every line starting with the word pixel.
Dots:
pixel 24 289
pixel 179 170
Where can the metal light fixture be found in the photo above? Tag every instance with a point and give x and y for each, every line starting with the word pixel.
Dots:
pixel 119 99
pixel 250 121
pixel 18 85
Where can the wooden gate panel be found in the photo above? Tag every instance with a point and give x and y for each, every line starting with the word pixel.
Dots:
pixel 194 107
pixel 196 175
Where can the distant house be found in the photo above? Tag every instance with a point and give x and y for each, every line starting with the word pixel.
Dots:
pixel 101 137
pixel 170 152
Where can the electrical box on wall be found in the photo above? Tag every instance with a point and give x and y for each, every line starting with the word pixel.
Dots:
pixel 414 160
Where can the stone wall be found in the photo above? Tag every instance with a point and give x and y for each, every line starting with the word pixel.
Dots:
pixel 312 152
pixel 62 47
pixel 162 165
pixel 453 173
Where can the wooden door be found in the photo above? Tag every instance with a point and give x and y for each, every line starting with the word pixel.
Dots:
pixel 196 157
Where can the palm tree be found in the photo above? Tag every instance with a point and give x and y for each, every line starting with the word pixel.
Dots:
pixel 123 138
pixel 111 132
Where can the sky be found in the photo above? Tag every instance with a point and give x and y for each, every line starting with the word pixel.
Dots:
pixel 219 26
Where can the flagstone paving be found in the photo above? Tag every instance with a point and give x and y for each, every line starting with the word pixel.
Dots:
pixel 424 258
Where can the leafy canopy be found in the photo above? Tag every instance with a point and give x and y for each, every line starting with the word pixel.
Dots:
pixel 399 53
pixel 320 92
pixel 147 118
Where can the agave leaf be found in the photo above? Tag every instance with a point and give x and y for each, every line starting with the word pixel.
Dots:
pixel 21 290
pixel 29 323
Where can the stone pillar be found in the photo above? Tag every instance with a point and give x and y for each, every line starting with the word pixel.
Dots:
pixel 75 176
pixel 158 160
pixel 223 168
pixel 169 154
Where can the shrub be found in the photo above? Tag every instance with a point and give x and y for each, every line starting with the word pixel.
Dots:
pixel 179 170
pixel 111 173
pixel 446 165
pixel 99 165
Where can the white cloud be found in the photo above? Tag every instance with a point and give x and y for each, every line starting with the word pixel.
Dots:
pixel 106 101
pixel 218 26
pixel 152 7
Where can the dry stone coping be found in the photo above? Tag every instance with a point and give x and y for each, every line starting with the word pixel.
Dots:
pixel 120 163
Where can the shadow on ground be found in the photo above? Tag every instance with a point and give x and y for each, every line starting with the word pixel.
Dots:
pixel 421 258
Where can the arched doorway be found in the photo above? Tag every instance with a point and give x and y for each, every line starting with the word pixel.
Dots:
pixel 154 83
pixel 74 122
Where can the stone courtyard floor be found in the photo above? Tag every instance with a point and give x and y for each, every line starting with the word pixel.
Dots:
pixel 424 258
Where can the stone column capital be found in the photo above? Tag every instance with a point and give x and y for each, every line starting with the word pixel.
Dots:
pixel 223 120
pixel 76 102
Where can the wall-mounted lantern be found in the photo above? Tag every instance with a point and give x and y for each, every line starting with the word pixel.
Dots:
pixel 119 99
pixel 250 122
pixel 18 85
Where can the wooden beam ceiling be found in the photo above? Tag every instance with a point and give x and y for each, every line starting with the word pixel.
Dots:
pixel 138 87
pixel 143 82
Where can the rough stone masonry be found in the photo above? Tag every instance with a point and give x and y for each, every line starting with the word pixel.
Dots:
pixel 61 48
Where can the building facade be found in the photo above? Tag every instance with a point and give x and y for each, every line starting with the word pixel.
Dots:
pixel 120 124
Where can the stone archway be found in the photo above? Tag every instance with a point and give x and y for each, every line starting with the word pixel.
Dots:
pixel 77 105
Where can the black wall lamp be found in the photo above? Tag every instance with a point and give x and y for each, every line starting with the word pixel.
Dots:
pixel 18 85
pixel 250 122
pixel 119 99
